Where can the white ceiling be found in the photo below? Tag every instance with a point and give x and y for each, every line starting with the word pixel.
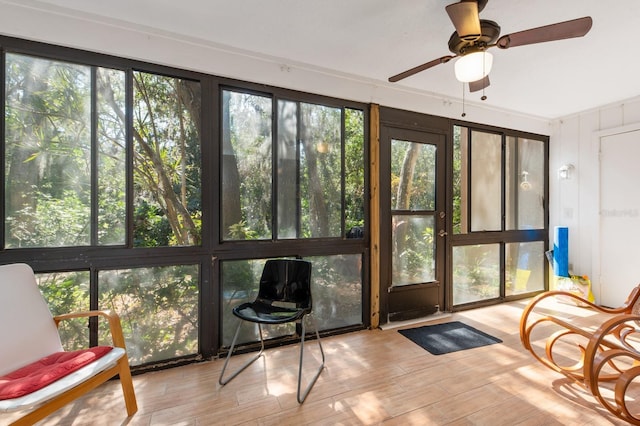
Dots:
pixel 374 39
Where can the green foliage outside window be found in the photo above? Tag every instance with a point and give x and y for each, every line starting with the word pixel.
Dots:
pixel 314 155
pixel 158 308
pixel 47 153
pixel 79 137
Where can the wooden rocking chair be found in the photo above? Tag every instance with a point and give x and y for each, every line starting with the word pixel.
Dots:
pixel 605 360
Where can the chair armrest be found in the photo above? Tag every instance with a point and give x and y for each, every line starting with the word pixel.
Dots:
pixel 582 302
pixel 526 326
pixel 114 323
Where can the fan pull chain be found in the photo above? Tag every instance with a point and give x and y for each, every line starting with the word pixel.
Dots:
pixel 464 114
pixel 484 86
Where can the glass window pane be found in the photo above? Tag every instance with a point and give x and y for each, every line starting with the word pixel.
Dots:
pixel 166 127
pixel 336 287
pixel 460 180
pixel 287 195
pixel 524 267
pixel 413 173
pixel 240 281
pixel 525 184
pixel 158 308
pixel 476 273
pixel 67 292
pixel 47 153
pixel 354 157
pixel 320 171
pixel 246 166
pixel 111 171
pixel 486 181
pixel 311 164
pixel 413 250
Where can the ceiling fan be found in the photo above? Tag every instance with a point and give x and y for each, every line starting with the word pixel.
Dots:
pixel 474 36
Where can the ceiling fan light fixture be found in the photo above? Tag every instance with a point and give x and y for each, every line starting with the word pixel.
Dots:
pixel 473 66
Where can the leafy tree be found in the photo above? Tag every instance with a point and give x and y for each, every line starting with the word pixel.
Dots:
pixel 68 292
pixel 166 123
pixel 47 154
pixel 246 166
pixel 158 308
pixel 354 168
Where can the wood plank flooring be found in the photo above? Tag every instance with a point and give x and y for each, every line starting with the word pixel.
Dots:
pixel 371 377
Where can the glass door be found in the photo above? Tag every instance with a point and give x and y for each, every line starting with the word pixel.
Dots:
pixel 414 222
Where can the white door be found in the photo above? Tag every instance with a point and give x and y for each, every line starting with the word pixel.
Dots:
pixel 619 216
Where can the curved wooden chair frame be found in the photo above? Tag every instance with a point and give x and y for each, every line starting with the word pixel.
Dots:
pixel 625 359
pixel 607 359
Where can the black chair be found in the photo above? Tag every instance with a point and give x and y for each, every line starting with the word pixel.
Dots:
pixel 284 296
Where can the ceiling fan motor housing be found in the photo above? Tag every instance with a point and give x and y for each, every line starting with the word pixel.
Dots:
pixel 490 33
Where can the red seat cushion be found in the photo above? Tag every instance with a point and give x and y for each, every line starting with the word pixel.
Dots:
pixel 47 370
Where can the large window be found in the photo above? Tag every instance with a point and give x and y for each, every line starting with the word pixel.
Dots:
pixel 70 156
pixel 292 170
pixel 318 155
pixel 159 192
pixel 499 215
pixel 66 128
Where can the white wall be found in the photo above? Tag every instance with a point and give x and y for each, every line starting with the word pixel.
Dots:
pixel 574 203
pixel 41 22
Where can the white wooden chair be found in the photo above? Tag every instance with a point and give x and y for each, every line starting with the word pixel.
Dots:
pixel 31 351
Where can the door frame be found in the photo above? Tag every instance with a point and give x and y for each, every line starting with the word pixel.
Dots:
pixel 433 130
pixel 596 235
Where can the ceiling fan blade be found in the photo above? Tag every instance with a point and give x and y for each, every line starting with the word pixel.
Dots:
pixel 419 68
pixel 475 86
pixel 465 18
pixel 559 31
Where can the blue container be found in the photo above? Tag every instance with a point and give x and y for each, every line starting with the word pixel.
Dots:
pixel 561 251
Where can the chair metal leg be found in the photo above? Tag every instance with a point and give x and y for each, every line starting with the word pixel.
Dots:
pixel 248 363
pixel 302 397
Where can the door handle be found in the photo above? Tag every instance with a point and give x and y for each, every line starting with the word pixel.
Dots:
pixel 442 233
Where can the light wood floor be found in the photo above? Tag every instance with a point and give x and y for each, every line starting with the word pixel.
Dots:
pixel 371 377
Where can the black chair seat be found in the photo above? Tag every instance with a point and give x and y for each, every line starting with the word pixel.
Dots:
pixel 267 314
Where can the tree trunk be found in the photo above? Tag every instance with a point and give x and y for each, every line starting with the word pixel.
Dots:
pixel 403 198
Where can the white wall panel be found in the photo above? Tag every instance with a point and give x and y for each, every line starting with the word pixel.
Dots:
pixel 577 139
pixel 612 116
pixel 632 111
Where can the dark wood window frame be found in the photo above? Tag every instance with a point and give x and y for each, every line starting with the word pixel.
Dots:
pixel 211 251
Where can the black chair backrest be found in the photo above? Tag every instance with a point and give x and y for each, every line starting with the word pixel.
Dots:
pixel 286 281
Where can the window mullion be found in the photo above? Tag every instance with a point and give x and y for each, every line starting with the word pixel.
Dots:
pixel 298 168
pixel 94 158
pixel 129 157
pixel 343 164
pixel 275 158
